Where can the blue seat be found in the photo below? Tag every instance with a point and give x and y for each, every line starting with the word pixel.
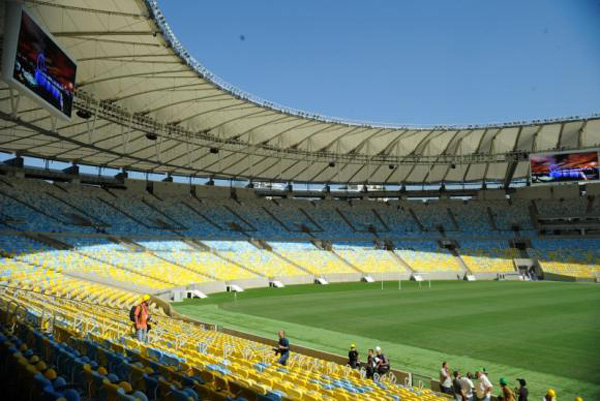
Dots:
pixel 152 386
pixel 187 394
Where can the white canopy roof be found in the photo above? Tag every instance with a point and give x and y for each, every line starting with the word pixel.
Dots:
pixel 135 78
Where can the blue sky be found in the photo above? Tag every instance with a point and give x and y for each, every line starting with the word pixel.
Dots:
pixel 404 62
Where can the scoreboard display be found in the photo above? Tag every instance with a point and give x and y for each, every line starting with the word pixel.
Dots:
pixel 35 63
pixel 564 167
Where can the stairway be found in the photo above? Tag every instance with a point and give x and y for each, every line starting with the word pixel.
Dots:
pixel 490 217
pixel 402 262
pixel 453 219
pixel 416 219
pixel 292 263
pixel 123 212
pixel 380 219
pixel 460 261
pixel 48 241
pixel 29 206
pixel 217 254
pixel 346 219
pixel 177 226
pixel 356 269
pixel 95 221
pixel 202 216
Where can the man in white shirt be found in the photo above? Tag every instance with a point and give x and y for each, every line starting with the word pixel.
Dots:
pixel 467 385
pixel 445 380
pixel 484 386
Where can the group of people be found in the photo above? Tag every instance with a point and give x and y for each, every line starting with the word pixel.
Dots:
pixel 376 362
pixel 469 387
pixel 478 387
pixel 475 387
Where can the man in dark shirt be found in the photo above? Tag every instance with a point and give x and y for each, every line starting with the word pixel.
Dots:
pixel 457 387
pixel 283 348
pixel 522 392
pixel 353 360
pixel 370 368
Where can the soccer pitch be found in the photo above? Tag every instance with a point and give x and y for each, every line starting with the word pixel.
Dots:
pixel 545 332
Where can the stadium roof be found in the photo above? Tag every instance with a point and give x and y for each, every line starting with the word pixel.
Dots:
pixel 135 79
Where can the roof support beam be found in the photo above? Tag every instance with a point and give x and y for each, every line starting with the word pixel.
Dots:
pixel 76 34
pixel 87 10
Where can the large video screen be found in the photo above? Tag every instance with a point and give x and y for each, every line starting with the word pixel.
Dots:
pixel 34 63
pixel 561 167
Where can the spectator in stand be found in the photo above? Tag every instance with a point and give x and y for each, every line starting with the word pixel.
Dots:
pixel 468 386
pixel 445 380
pixel 353 359
pixel 484 386
pixel 141 319
pixel 522 391
pixel 371 363
pixel 507 394
pixel 457 389
pixel 383 363
pixel 283 348
pixel 550 395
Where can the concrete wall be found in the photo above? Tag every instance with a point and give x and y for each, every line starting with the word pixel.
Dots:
pixel 541 192
pixel 491 194
pixel 485 275
pixel 212 192
pixel 210 287
pixel 592 189
pixel 171 188
pixel 524 262
pixel 138 186
pixel 343 277
pixel 214 287
pixel 454 275
pixel 111 283
pixel 390 276
pixel 262 282
pixel 251 283
pixel 294 280
pixel 244 193
pixel 560 277
pixel 565 191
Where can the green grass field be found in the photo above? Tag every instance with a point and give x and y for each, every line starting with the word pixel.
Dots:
pixel 545 332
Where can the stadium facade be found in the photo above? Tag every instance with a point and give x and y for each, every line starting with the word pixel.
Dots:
pixel 143 103
pixel 135 81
